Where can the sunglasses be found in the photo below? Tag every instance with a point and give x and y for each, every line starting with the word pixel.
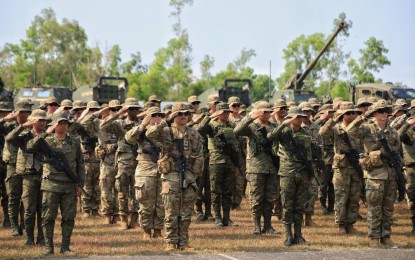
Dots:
pixel 351 113
pixel 157 115
pixel 382 111
pixel 114 109
pixel 54 104
pixel 93 109
pixel 267 112
pixel 236 105
pixel 67 108
pixel 183 114
pixel 283 108
pixel 133 109
pixel 364 105
pixel 78 109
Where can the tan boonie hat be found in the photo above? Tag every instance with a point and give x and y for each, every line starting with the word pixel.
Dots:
pixel 262 106
pixel 57 117
pixel 151 111
pixel 131 103
pixel 177 108
pixel 5 107
pixel 190 107
pixel 220 109
pixel 167 108
pixel 92 104
pixel 149 104
pixel 104 105
pixel 78 104
pixel 306 106
pixel 412 104
pixel 37 114
pixel 381 104
pixel 280 103
pixel 154 98
pixel 401 102
pixel 291 104
pixel 213 99
pixel 66 103
pixel 345 107
pixel 114 104
pixel 51 100
pixel 324 108
pixel 193 99
pixel 372 100
pixel 130 99
pixel 362 101
pixel 398 108
pixel 234 100
pixel 23 106
pixel 294 112
pixel 314 102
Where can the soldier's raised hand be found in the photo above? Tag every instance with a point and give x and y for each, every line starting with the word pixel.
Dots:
pixel 51 129
pixel 257 114
pixel 288 121
pixel 411 121
pixel 12 116
pixel 30 123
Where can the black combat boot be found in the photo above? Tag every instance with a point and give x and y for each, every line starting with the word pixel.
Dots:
pixel 6 219
pixel 218 216
pixel 15 226
pixel 208 212
pixel 30 240
pixel 49 246
pixel 257 225
pixel 298 237
pixel 199 210
pixel 289 240
pixel 65 245
pixel 268 229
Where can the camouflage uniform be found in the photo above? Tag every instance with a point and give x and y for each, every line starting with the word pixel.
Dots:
pixel 148 180
pixel 346 180
pixel 92 193
pixel 58 189
pixel 261 171
pixel 294 180
pixel 222 169
pixel 178 203
pixel 126 164
pixel 407 136
pixel 4 130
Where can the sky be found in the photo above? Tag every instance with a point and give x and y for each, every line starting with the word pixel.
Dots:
pixel 222 28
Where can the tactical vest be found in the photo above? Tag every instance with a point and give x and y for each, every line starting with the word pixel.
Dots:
pixel 409 154
pixel 215 143
pixel 260 144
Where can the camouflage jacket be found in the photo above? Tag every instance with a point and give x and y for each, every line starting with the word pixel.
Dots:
pixel 91 124
pixel 10 149
pixel 290 163
pixel 407 136
pixel 5 128
pixel 259 157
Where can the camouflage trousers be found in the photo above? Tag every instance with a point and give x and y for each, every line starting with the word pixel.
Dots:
pixel 124 183
pixel 240 184
pixel 347 194
pixel 410 188
pixel 148 194
pixel 294 193
pixel 204 192
pixel 381 196
pixel 32 202
pixel 3 191
pixel 178 207
pixel 263 193
pixel 109 201
pixel 327 187
pixel 14 186
pixel 222 181
pixel 51 202
pixel 92 194
pixel 312 195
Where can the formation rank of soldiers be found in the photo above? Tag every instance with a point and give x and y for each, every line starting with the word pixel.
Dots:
pixel 131 164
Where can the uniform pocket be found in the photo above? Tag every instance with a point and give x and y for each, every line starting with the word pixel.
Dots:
pixel 373 189
pixel 339 161
pixel 164 165
pixel 375 158
pixel 197 165
pixel 140 191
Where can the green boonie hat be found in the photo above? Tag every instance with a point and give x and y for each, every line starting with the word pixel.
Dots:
pixel 167 108
pixel 314 102
pixel 412 104
pixel 154 98
pixel 151 111
pixel 291 104
pixel 66 103
pixel 362 101
pixel 23 106
pixel 5 107
pixel 381 104
pixel 280 103
pixel 114 103
pixel 131 103
pixel 345 107
pixel 324 108
pixel 149 104
pixel 234 100
pixel 193 99
pixel 178 107
pixel 92 104
pixel 262 106
pixel 202 110
pixel 37 114
pixel 57 117
pixel 306 106
pixel 78 104
pixel 51 100
pixel 401 102
pixel 220 109
pixel 294 112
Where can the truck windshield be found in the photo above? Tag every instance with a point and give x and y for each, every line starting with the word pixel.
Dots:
pixel 404 93
pixel 410 93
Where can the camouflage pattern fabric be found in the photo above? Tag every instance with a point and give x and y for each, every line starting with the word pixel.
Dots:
pixel 32 202
pixel 92 192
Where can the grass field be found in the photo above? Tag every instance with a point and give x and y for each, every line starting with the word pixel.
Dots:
pixel 92 237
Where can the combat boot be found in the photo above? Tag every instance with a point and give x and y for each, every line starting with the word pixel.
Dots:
pixel 108 219
pixel 134 220
pixel 49 246
pixel 226 217
pixel 30 241
pixel 40 241
pixel 157 233
pixel 208 212
pixel 170 247
pixel 289 240
pixel 218 218
pixel 298 237
pixel 200 217
pixel 199 210
pixel 66 241
pixel 350 229
pixel 268 229
pixel 186 247
pixel 124 223
pixel 115 219
pixel 257 225
pixel 342 229
pixel 87 214
pixel 330 205
pixel 6 219
pixel 374 243
pixel 147 234
pixel 308 222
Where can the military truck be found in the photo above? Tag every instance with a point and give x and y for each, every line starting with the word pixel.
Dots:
pixel 388 91
pixel 293 90
pixel 5 95
pixel 231 87
pixel 107 88
pixel 39 93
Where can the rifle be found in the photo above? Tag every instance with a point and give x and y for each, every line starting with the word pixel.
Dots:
pixel 88 141
pixel 394 161
pixel 181 165
pixel 155 150
pixel 317 156
pixel 267 145
pixel 58 161
pixel 352 156
pixel 228 149
pixel 298 151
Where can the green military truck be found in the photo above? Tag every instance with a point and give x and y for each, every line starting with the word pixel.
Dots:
pixel 387 91
pixel 39 93
pixel 231 87
pixel 107 88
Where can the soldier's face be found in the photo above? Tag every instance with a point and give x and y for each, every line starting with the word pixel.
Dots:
pixel 40 125
pixel 282 111
pixel 265 116
pixel 22 116
pixel 235 108
pixel 196 106
pixel 297 121
pixel 224 116
pixel 62 127
pixel 181 118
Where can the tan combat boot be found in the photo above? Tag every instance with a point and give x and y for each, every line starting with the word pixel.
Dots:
pixel 108 219
pixel 351 230
pixel 374 243
pixel 388 242
pixel 186 247
pixel 308 222
pixel 170 247
pixel 134 220
pixel 147 234
pixel 342 229
pixel 157 233
pixel 87 214
pixel 124 223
